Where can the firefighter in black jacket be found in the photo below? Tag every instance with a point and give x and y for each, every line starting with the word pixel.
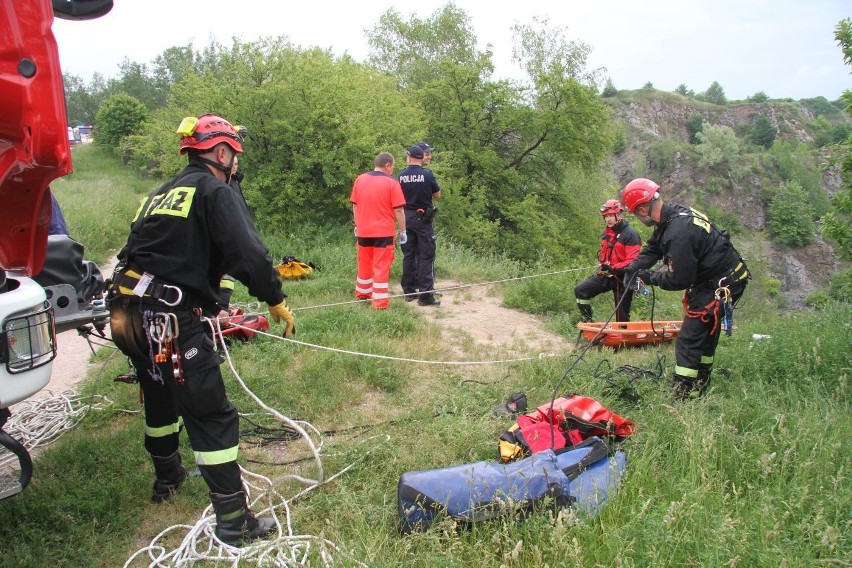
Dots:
pixel 700 260
pixel 185 237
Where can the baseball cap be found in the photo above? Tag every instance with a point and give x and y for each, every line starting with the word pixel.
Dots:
pixel 425 146
pixel 415 152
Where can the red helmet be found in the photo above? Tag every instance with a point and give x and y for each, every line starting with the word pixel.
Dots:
pixel 206 131
pixel 637 192
pixel 612 206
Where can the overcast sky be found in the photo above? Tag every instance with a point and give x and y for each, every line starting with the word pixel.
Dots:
pixel 784 48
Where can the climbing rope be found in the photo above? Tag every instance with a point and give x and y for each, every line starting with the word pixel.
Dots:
pixel 286 548
pixel 449 288
pixel 390 358
pixel 36 423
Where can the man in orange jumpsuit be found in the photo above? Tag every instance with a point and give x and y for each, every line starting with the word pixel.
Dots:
pixel 377 201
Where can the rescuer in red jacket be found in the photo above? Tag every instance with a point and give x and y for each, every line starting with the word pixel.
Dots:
pixel 620 244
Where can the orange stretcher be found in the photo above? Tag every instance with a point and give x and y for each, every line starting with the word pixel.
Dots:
pixel 629 334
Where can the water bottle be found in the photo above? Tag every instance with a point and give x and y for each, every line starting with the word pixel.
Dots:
pixel 727 317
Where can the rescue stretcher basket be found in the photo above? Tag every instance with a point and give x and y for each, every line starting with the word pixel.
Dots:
pixel 629 334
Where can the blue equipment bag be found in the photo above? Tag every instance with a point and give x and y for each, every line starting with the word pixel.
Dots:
pixel 581 477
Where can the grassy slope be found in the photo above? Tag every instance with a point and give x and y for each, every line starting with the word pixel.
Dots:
pixel 755 474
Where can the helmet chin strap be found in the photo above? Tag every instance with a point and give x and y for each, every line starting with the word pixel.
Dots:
pixel 227 170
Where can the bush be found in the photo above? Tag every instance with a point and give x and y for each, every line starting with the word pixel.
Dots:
pixel 818 299
pixel 790 215
pixel 619 138
pixel 764 132
pixel 119 116
pixel 694 126
pixel 840 286
pixel 758 97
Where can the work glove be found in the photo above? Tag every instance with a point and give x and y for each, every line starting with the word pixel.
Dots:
pixel 281 313
pixel 403 237
pixel 605 267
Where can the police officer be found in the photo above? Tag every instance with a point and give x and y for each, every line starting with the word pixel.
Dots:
pixel 427 152
pixel 418 264
pixel 701 260
pixel 620 244
pixel 185 237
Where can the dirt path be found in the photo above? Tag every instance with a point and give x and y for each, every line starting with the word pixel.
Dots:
pixel 473 320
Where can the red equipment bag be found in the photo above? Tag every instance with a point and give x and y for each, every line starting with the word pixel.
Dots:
pixel 575 419
pixel 587 415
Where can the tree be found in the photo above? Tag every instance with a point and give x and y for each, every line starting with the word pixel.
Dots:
pixel 119 116
pixel 506 147
pixel 136 80
pixel 715 94
pixel 82 100
pixel 683 90
pixel 837 223
pixel 694 126
pixel 648 85
pixel 764 131
pixel 758 97
pixel 717 145
pixel 609 90
pixel 789 214
pixel 410 50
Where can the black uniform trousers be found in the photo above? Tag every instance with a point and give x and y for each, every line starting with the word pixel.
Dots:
pixel 211 421
pixel 418 261
pixel 695 346
pixel 595 285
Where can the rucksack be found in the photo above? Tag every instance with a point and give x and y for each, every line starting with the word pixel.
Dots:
pixel 292 268
pixel 561 423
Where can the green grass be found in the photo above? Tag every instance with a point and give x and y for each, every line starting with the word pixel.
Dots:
pixel 98 201
pixel 753 474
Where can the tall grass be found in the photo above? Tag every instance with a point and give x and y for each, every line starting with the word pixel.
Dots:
pixel 753 474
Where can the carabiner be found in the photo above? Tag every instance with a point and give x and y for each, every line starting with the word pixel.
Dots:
pixel 179 296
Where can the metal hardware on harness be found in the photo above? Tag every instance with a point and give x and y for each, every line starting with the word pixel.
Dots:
pixel 164 332
pixel 179 296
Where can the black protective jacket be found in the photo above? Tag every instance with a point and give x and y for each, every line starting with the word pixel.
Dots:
pixel 195 229
pixel 694 251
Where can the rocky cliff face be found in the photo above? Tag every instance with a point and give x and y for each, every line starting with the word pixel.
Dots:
pixel 801 270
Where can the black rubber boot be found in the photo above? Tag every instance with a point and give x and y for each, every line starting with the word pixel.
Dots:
pixel 170 474
pixel 585 312
pixel 686 388
pixel 235 523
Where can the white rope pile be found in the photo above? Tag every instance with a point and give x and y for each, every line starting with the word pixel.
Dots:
pixel 37 423
pixel 201 544
pixel 283 549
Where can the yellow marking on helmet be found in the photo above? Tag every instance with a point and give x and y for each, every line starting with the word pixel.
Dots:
pixel 187 126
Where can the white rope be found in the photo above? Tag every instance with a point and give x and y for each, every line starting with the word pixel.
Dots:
pixel 448 289
pixel 200 544
pixel 37 423
pixel 390 358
